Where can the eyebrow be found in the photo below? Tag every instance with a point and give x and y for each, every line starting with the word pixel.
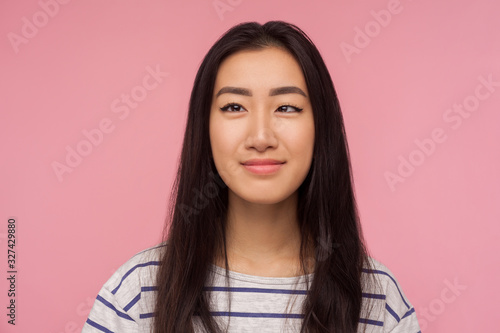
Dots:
pixel 272 92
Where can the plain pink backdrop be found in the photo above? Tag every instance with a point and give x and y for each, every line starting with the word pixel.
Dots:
pixel 401 70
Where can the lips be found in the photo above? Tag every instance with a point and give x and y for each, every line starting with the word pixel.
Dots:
pixel 262 162
pixel 263 166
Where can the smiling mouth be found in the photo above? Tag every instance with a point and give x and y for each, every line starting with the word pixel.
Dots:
pixel 263 167
pixel 262 162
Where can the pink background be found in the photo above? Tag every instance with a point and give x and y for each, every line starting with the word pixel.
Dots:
pixel 397 82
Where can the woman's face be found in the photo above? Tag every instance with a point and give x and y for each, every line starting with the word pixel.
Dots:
pixel 261 110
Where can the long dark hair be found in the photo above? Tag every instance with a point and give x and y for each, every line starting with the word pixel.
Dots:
pixel 327 212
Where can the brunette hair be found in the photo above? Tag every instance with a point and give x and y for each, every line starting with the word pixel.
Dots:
pixel 194 230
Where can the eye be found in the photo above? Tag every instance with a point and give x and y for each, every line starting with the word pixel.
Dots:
pixel 232 107
pixel 291 108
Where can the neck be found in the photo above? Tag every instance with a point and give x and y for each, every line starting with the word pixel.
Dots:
pixel 263 239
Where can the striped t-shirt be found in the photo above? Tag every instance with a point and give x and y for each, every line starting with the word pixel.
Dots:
pixel 125 304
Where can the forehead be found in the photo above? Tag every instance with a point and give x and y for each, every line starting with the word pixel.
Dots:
pixel 266 67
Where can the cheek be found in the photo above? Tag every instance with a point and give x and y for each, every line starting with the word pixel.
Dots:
pixel 299 139
pixel 224 141
pixel 215 134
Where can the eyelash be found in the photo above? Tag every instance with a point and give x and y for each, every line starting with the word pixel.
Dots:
pixel 225 107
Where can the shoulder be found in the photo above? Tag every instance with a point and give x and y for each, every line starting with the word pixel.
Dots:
pixel 125 301
pixel 139 269
pixel 394 311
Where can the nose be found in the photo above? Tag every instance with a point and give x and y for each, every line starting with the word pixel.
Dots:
pixel 261 131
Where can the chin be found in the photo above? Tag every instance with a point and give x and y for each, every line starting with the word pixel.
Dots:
pixel 267 201
pixel 259 198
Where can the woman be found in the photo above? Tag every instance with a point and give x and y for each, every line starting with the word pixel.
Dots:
pixel 263 233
